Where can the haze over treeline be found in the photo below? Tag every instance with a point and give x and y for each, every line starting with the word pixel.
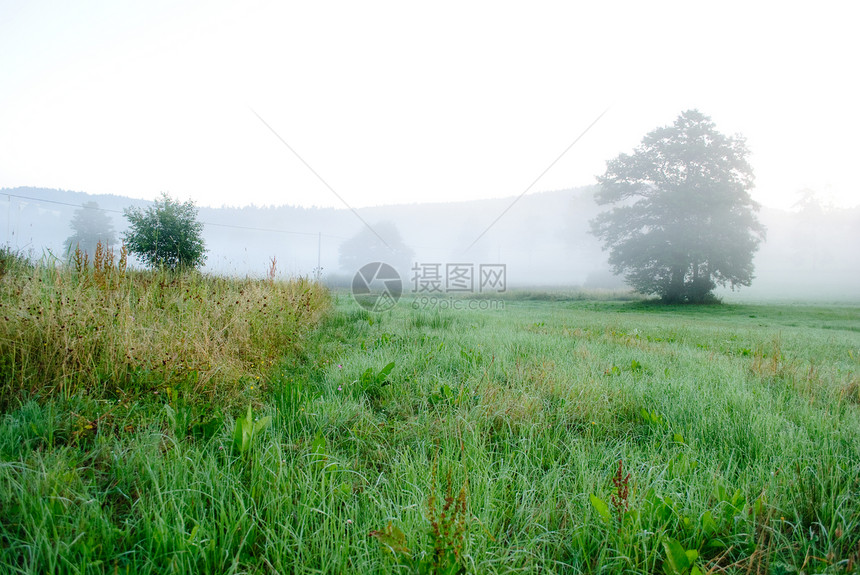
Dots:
pixel 544 240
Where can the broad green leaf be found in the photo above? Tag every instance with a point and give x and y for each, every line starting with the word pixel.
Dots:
pixel 738 500
pixel 601 507
pixel 367 376
pixel 716 544
pixel 668 502
pixel 676 557
pixel 319 443
pixel 262 424
pixel 452 568
pixel 383 375
pixel 709 526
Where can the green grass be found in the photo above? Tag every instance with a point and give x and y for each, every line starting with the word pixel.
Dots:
pixel 492 446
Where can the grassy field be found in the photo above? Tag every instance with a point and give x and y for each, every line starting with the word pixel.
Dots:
pixel 553 436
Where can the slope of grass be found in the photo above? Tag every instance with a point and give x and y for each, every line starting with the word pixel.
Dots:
pixel 552 437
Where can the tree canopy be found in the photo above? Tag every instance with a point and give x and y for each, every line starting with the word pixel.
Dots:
pixel 90 225
pixel 166 235
pixel 682 220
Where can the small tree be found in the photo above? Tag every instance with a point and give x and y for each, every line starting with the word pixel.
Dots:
pixel 166 235
pixel 683 221
pixel 90 225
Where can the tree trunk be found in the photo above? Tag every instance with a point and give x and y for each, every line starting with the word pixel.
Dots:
pixel 675 291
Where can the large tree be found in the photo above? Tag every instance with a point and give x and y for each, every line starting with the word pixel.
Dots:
pixel 90 225
pixel 166 235
pixel 682 220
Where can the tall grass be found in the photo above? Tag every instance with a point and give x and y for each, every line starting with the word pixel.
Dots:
pixel 101 328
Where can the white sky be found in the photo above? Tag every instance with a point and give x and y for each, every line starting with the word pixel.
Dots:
pixel 404 102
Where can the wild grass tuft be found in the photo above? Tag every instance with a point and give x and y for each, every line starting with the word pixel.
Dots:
pixel 100 328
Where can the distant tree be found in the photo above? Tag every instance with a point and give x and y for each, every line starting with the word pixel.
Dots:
pixel 90 225
pixel 683 220
pixel 812 232
pixel 167 234
pixel 366 246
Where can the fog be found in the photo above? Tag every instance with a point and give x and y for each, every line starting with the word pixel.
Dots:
pixel 458 131
pixel 542 240
pixel 393 102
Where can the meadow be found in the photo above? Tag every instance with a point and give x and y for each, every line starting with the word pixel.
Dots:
pixel 555 435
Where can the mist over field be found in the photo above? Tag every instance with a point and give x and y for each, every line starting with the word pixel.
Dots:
pixel 543 240
pixel 433 288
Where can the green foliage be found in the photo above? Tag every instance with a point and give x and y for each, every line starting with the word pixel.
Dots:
pixel 683 221
pixel 601 507
pixel 680 561
pixel 317 455
pixel 371 381
pixel 246 429
pixel 90 225
pixel 652 418
pixel 166 235
pixel 446 395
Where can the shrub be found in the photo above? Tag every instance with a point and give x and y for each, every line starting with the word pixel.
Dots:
pixel 166 235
